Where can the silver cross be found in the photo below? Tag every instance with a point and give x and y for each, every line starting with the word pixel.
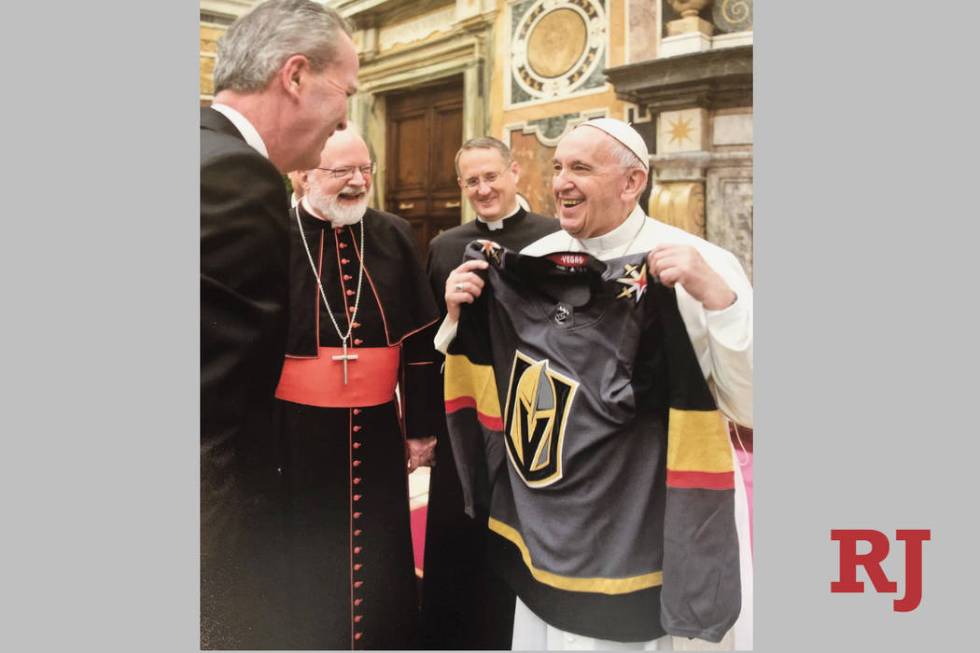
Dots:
pixel 344 358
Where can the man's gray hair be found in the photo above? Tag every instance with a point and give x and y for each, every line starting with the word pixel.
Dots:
pixel 624 156
pixel 256 45
pixel 484 143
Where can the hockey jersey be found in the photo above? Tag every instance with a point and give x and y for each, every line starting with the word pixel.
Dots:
pixel 582 425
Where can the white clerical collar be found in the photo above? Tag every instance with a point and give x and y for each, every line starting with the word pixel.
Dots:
pixel 244 127
pixel 619 236
pixel 494 225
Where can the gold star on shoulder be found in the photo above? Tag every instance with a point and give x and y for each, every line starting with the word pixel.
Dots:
pixel 491 250
pixel 635 281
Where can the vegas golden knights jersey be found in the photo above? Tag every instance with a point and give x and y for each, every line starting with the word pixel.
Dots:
pixel 585 433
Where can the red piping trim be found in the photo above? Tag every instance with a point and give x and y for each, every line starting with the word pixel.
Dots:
pixel 461 403
pixel 350 515
pixel 702 480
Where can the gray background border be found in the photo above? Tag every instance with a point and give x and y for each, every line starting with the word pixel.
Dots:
pixel 866 134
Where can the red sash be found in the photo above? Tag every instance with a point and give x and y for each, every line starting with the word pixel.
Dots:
pixel 319 381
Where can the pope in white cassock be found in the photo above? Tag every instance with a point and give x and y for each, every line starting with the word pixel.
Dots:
pixel 600 170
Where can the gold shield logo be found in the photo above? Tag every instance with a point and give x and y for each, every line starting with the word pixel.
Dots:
pixel 538 403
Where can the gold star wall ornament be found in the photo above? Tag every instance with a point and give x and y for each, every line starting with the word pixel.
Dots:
pixel 680 130
pixel 635 280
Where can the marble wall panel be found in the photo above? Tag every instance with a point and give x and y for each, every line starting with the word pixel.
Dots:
pixel 642 31
pixel 682 131
pixel 732 129
pixel 729 212
pixel 535 162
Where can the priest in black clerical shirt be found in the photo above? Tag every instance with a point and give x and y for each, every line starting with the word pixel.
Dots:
pixel 464 605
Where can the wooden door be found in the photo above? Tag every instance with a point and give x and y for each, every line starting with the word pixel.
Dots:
pixel 424 131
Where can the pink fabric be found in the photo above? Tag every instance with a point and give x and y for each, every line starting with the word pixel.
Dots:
pixel 745 461
pixel 418 536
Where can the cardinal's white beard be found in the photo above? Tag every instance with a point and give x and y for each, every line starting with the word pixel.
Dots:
pixel 339 212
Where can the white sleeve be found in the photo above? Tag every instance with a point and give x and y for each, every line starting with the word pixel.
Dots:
pixel 730 351
pixel 445 335
pixel 730 345
pixel 722 339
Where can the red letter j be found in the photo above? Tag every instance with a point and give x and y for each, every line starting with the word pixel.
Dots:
pixel 913 568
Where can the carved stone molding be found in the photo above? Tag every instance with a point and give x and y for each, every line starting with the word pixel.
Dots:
pixel 385 11
pixel 690 166
pixel 715 79
pixel 223 12
pixel 730 212
pixel 679 203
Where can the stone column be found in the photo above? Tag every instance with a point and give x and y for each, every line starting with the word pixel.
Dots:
pixel 679 203
pixel 689 33
pixel 689 20
pixel 678 168
pixel 474 117
pixel 368 115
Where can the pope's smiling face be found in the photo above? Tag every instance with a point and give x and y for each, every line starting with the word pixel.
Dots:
pixel 593 191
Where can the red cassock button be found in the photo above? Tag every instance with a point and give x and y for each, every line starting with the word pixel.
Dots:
pixel 347 277
pixel 357 618
pixel 358 635
pixel 358 601
pixel 357 427
pixel 357 480
pixel 357 532
pixel 358 566
pixel 356 463
pixel 357 445
pixel 358 341
pixel 358 583
pixel 357 515
pixel 358 549
pixel 357 411
pixel 357 497
pixel 351 308
pixel 343 245
pixel 345 261
pixel 350 293
pixel 357 325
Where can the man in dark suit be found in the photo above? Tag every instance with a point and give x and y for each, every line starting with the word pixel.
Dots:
pixel 464 605
pixel 282 78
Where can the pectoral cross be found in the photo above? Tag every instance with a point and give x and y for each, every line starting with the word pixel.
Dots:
pixel 344 358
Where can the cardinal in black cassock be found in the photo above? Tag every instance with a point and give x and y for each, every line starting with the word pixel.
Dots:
pixel 352 581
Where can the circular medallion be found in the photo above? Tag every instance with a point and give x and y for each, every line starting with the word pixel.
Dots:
pixel 556 46
pixel 556 43
pixel 732 15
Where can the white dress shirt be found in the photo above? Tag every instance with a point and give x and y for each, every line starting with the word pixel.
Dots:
pixel 244 127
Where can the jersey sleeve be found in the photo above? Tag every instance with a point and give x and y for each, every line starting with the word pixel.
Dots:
pixel 473 413
pixel 701 594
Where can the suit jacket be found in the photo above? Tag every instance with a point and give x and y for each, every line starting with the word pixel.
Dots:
pixel 244 296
